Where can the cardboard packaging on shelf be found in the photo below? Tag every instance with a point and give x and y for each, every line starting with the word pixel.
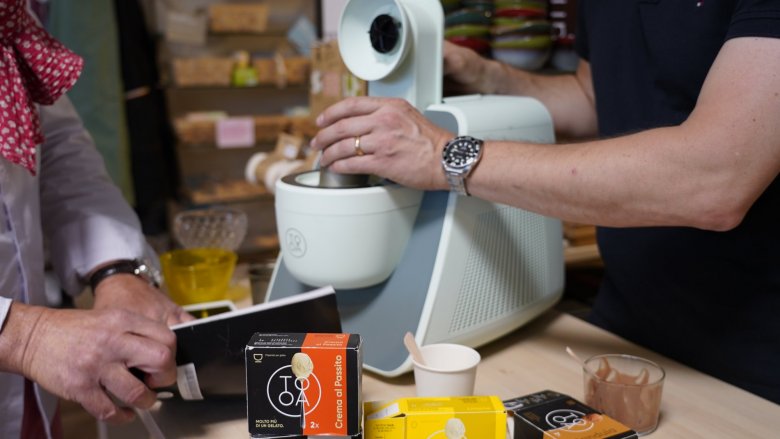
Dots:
pixel 196 128
pixel 331 81
pixel 282 70
pixel 203 71
pixel 238 17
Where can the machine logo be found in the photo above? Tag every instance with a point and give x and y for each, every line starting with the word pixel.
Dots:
pixel 296 243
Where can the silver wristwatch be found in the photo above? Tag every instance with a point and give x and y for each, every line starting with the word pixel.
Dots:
pixel 459 158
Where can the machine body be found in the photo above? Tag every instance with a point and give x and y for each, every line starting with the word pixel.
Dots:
pixel 470 270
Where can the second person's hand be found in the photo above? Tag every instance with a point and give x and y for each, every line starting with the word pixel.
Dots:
pixel 86 356
pixel 129 292
pixel 396 141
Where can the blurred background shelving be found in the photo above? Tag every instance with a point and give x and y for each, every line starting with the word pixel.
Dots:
pixel 196 59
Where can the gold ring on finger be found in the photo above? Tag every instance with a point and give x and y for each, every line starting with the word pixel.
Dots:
pixel 358 150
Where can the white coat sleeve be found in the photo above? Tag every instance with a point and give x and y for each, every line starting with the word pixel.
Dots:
pixel 85 218
pixel 5 306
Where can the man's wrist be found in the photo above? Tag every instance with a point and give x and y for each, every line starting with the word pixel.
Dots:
pixel 136 267
pixel 503 79
pixel 17 332
pixel 494 75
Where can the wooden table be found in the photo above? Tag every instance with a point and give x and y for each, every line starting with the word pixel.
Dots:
pixel 528 360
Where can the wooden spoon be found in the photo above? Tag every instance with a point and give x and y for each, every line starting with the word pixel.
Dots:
pixel 570 351
pixel 413 348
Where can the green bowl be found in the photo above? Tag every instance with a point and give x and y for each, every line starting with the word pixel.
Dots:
pixel 468 16
pixel 533 27
pixel 523 42
pixel 467 30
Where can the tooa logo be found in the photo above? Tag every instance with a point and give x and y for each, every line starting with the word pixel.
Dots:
pixel 571 420
pixel 288 394
pixel 295 243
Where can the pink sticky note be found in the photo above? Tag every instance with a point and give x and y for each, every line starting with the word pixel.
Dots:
pixel 235 132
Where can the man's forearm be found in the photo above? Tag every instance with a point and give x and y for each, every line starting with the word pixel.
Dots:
pixel 16 335
pixel 568 97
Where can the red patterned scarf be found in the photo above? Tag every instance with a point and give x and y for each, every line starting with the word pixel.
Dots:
pixel 34 68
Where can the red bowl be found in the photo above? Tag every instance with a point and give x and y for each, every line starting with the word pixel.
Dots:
pixel 520 12
pixel 479 45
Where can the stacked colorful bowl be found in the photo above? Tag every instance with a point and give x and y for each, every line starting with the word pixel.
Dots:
pixel 563 16
pixel 450 5
pixel 468 23
pixel 522 33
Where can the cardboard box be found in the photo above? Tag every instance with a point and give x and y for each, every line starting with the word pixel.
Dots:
pixel 331 81
pixel 238 17
pixel 194 128
pixel 481 417
pixel 282 71
pixel 202 71
pixel 553 415
pixel 327 383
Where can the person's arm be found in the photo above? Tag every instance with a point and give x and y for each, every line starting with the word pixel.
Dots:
pixel 84 215
pixel 87 221
pixel 85 356
pixel 704 173
pixel 130 292
pixel 568 97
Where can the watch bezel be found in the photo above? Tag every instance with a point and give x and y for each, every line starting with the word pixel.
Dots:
pixel 148 271
pixel 457 172
pixel 473 154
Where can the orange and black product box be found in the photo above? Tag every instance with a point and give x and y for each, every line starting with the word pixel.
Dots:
pixel 304 384
pixel 553 415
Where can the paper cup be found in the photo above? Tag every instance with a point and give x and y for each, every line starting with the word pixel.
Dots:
pixel 449 370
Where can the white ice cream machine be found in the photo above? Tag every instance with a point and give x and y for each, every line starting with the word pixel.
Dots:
pixel 447 268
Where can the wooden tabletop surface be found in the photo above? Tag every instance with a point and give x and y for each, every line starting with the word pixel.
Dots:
pixel 531 359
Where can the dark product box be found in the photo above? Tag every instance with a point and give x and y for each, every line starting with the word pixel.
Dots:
pixel 304 384
pixel 548 415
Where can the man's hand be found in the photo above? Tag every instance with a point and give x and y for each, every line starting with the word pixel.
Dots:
pixel 398 142
pixel 129 292
pixel 465 71
pixel 86 356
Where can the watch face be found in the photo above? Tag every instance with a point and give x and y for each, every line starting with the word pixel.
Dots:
pixel 148 272
pixel 461 152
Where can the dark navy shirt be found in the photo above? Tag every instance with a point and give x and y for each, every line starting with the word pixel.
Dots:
pixel 708 299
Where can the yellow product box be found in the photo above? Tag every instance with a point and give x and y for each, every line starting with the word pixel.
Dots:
pixel 458 417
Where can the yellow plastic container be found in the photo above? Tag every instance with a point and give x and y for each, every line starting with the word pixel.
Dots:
pixel 198 275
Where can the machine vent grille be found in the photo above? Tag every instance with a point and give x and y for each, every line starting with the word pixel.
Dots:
pixel 504 271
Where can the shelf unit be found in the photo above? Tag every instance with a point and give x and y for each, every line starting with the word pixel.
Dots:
pixel 261 99
pixel 213 176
